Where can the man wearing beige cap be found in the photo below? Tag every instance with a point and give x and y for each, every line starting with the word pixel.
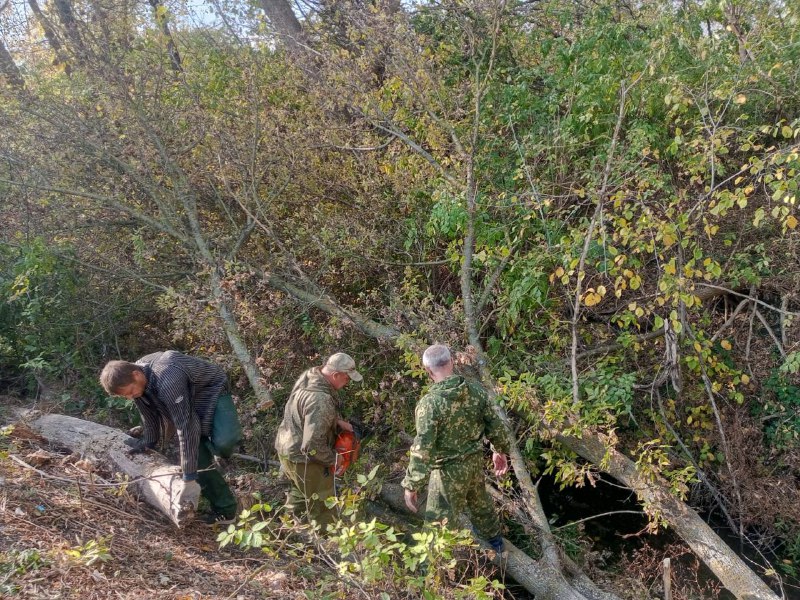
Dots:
pixel 307 435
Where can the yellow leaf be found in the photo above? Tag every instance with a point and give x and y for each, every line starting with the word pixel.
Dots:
pixel 601 290
pixel 740 99
pixel 559 272
pixel 669 268
pixel 745 379
pixel 791 221
pixel 591 298
pixel 725 344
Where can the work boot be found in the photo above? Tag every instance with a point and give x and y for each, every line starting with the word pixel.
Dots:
pixel 214 518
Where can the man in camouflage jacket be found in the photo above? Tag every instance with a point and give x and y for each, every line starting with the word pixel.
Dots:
pixel 307 434
pixel 452 419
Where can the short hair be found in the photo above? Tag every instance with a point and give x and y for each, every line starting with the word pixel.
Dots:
pixel 436 356
pixel 117 374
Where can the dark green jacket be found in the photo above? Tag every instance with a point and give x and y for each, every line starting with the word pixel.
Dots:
pixel 308 430
pixel 452 420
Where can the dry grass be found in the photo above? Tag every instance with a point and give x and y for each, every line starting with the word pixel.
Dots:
pixel 149 558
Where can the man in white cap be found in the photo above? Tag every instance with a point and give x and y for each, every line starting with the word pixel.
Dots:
pixel 307 434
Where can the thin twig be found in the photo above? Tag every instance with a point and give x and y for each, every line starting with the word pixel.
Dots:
pixel 770 332
pixel 247 580
pixel 749 297
pixel 100 485
pixel 122 513
pixel 605 514
pixel 576 309
pixel 730 319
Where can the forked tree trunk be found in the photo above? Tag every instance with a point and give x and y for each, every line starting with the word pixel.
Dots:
pixel 159 482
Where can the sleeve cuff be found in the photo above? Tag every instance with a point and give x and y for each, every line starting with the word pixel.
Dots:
pixel 190 476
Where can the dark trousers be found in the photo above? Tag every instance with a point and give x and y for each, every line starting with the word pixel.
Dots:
pixel 226 433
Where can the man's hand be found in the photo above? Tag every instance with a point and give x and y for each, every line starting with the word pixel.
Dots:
pixel 500 464
pixel 137 447
pixel 411 500
pixel 344 425
pixel 190 495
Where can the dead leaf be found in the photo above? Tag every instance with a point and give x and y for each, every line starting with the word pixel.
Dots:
pixel 85 465
pixel 40 457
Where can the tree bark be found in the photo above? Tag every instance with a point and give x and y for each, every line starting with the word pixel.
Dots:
pixel 159 482
pixel 70 25
pixel 238 346
pixel 9 69
pixel 50 35
pixel 172 48
pixel 283 19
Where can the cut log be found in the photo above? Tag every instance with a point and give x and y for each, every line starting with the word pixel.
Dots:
pixel 159 483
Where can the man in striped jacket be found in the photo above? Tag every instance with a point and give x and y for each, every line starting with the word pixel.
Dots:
pixel 190 395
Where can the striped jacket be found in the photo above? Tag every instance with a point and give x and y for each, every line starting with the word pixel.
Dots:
pixel 181 390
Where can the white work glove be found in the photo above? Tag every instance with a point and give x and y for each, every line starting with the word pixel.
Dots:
pixel 190 496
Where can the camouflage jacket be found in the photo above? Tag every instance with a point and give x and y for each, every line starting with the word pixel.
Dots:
pixel 308 430
pixel 452 420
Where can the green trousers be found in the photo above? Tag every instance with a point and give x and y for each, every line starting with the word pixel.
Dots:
pixel 459 488
pixel 312 483
pixel 225 435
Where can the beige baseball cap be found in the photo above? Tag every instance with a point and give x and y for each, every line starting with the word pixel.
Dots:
pixel 344 363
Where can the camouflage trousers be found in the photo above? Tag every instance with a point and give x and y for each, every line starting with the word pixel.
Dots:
pixel 312 484
pixel 461 488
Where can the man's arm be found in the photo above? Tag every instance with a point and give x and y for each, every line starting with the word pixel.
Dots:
pixel 419 464
pixel 320 418
pixel 151 423
pixel 493 427
pixel 173 391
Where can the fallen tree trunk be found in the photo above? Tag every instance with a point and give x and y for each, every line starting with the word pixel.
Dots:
pixel 159 483
pixel 539 577
pixel 707 545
